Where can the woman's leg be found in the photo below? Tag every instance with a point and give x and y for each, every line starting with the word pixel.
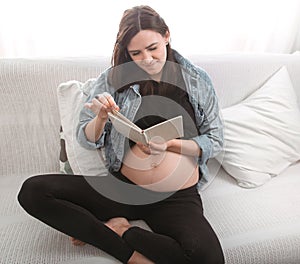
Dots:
pixel 181 234
pixel 121 225
pixel 69 204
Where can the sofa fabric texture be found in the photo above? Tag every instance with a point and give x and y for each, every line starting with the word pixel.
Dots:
pixel 258 225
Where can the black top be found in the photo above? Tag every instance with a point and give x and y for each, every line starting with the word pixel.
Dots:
pixel 165 101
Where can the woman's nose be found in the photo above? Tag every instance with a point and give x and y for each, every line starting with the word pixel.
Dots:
pixel 147 57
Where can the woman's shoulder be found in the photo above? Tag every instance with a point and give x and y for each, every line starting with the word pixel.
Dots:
pixel 104 75
pixel 103 81
pixel 188 66
pixel 190 69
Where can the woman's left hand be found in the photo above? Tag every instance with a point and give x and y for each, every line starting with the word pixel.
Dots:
pixel 153 148
pixel 185 147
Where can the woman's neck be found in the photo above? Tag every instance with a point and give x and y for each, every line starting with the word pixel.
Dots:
pixel 156 77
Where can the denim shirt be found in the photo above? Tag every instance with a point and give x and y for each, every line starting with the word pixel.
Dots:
pixel 201 95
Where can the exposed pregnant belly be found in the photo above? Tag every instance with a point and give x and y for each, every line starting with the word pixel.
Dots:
pixel 165 172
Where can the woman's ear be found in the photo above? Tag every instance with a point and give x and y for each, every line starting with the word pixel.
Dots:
pixel 167 37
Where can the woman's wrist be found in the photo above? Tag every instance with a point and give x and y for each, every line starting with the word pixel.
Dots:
pixel 171 144
pixel 102 118
pixel 94 128
pixel 185 147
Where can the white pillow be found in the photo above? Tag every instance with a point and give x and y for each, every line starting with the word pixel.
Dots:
pixel 262 133
pixel 71 98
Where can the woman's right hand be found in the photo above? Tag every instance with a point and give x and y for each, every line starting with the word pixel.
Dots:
pixel 102 104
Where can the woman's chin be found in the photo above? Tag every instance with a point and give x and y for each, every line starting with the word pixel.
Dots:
pixel 154 74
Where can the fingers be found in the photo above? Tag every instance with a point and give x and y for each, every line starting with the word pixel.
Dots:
pixel 144 148
pixel 107 101
pixel 76 242
pixel 96 106
pixel 157 147
pixel 101 104
pixel 151 148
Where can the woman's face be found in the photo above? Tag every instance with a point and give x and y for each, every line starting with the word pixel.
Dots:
pixel 148 50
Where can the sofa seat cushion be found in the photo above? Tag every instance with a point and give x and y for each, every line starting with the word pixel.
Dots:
pixel 259 225
pixel 250 224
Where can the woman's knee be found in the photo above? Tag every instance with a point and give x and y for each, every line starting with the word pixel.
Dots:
pixel 31 192
pixel 202 250
pixel 206 255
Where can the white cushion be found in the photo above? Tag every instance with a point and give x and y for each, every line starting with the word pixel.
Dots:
pixel 262 133
pixel 71 98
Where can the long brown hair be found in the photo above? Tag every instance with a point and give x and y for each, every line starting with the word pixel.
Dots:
pixel 133 21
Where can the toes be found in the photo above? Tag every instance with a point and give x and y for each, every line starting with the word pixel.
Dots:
pixel 77 242
pixel 117 221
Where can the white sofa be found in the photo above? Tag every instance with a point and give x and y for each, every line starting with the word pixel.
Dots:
pixel 255 226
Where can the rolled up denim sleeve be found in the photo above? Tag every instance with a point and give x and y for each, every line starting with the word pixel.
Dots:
pixel 85 118
pixel 210 139
pixel 86 115
pixel 210 143
pixel 211 136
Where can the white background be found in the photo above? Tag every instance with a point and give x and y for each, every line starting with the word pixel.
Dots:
pixel 30 28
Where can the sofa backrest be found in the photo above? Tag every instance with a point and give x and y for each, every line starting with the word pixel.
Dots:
pixel 29 116
pixel 236 76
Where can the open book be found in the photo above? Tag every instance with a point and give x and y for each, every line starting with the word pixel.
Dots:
pixel 161 132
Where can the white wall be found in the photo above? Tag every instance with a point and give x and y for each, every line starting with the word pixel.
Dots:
pixel 88 27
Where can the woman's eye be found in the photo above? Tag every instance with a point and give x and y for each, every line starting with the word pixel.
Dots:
pixel 138 52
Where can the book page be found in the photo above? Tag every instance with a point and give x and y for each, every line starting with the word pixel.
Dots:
pixel 125 119
pixel 167 130
pixel 127 128
pixel 162 132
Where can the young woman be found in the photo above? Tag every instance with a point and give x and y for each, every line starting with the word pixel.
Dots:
pixel 148 83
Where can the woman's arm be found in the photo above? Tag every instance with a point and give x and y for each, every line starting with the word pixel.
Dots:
pixel 101 105
pixel 94 129
pixel 185 147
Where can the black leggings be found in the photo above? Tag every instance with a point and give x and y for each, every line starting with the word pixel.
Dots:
pixel 68 203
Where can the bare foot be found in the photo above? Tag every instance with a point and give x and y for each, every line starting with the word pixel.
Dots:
pixel 76 242
pixel 118 225
pixel 138 258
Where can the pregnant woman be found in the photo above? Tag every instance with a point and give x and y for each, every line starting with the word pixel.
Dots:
pixel 148 82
